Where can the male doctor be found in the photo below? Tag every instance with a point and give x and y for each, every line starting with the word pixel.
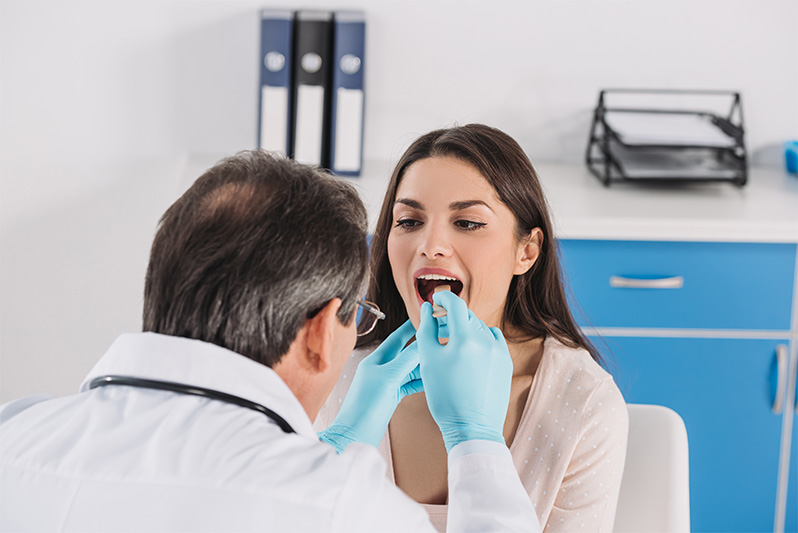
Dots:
pixel 203 422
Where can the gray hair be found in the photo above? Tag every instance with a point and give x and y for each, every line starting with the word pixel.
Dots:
pixel 254 248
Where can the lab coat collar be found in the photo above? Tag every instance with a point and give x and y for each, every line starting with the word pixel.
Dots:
pixel 192 362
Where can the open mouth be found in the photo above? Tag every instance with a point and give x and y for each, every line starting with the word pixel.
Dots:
pixel 426 284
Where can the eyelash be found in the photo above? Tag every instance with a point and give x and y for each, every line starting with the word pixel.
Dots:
pixel 469 225
pixel 408 224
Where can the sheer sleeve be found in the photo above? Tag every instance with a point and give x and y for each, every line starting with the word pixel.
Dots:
pixel 335 399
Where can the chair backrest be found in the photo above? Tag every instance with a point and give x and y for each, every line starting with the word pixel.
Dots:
pixel 655 490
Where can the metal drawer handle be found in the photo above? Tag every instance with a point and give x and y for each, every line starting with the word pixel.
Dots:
pixel 781 387
pixel 675 282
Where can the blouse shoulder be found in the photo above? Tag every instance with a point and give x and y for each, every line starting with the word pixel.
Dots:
pixel 572 360
pixel 582 381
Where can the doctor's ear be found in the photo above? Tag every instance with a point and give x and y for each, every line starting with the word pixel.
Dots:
pixel 528 251
pixel 320 336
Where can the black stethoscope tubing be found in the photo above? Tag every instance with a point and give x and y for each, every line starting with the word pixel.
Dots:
pixel 181 388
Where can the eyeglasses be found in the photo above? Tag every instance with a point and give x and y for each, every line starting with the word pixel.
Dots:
pixel 367 316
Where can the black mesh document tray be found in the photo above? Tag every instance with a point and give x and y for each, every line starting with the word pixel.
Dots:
pixel 657 141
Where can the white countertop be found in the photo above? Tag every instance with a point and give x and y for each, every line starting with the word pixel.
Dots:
pixel 764 210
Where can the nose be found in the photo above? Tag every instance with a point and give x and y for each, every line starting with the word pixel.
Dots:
pixel 434 243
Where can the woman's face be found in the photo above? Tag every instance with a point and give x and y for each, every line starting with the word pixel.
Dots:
pixel 449 227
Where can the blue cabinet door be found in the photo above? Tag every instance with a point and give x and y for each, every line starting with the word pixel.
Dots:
pixel 723 390
pixel 791 520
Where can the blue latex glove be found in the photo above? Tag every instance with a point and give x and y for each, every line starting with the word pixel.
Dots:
pixel 381 381
pixel 467 381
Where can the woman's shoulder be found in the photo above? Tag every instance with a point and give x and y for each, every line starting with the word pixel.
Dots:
pixel 350 366
pixel 572 361
pixel 338 393
pixel 360 353
pixel 577 375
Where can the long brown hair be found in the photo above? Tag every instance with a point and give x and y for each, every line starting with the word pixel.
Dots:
pixel 536 305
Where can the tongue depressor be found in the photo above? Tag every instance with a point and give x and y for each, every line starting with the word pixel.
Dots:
pixel 437 310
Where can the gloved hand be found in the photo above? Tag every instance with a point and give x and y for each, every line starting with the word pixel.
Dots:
pixel 467 381
pixel 381 381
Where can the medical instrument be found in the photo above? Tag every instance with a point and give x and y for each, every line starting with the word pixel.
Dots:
pixel 180 388
pixel 439 311
pixel 467 381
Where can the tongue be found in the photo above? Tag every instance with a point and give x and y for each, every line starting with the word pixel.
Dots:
pixel 427 287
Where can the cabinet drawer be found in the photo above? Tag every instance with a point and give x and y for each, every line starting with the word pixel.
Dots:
pixel 720 285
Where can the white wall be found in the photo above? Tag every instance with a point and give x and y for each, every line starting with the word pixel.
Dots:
pixel 109 109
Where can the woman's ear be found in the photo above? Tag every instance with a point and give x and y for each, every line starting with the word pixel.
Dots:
pixel 528 251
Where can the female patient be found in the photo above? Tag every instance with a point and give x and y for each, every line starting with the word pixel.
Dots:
pixel 464 208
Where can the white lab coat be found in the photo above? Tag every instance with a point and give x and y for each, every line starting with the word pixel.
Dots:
pixel 120 458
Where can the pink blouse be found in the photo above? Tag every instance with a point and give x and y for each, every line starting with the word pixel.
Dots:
pixel 570 445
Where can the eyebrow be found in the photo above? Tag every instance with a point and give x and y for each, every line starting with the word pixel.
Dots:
pixel 465 204
pixel 409 203
pixel 454 206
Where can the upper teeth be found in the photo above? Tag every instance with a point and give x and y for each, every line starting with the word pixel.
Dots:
pixel 436 276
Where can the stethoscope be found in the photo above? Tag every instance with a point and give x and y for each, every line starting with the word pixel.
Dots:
pixel 180 388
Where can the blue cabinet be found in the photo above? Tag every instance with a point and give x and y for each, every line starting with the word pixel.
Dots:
pixel 696 327
pixel 792 489
pixel 721 388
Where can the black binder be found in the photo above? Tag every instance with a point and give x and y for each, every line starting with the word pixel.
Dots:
pixel 313 33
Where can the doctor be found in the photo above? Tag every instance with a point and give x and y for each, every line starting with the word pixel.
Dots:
pixel 203 421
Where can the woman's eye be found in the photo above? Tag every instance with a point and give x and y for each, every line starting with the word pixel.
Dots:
pixel 407 223
pixel 469 224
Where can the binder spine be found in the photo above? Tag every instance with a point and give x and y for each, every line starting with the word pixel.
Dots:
pixel 276 95
pixel 348 96
pixel 312 74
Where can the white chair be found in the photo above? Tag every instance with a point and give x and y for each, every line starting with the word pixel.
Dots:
pixel 655 491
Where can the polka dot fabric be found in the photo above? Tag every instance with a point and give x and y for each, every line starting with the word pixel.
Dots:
pixel 570 445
